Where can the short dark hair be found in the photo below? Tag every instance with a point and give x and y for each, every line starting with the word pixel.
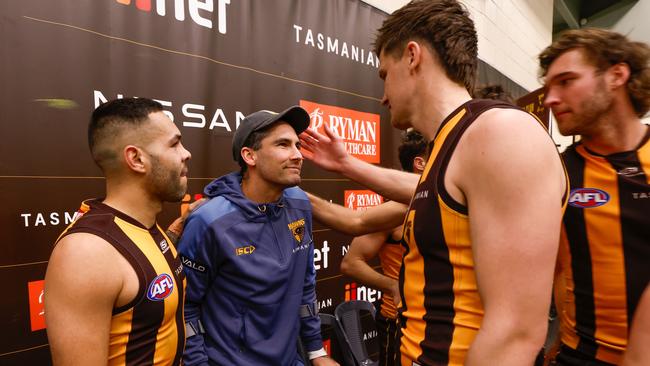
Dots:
pixel 446 28
pixel 413 145
pixel 253 141
pixel 110 119
pixel 603 49
pixel 493 91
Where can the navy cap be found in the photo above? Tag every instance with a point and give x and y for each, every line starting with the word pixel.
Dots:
pixel 297 117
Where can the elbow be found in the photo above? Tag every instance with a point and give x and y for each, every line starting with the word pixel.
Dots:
pixel 532 337
pixel 358 227
pixel 525 334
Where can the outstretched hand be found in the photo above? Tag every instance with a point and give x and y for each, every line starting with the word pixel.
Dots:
pixel 327 150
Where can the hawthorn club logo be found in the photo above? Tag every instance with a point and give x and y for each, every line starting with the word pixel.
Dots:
pixel 297 229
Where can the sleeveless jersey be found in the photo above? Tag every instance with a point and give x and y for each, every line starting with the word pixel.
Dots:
pixel 605 248
pixel 390 257
pixel 149 330
pixel 442 310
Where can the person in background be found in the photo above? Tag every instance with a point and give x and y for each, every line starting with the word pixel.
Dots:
pixel 478 270
pixel 387 245
pixel 598 87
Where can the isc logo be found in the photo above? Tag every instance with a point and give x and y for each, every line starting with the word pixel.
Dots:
pixel 160 288
pixel 195 8
pixel 588 197
pixel 249 249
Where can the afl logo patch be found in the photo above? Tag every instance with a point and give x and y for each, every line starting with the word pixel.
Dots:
pixel 160 288
pixel 588 197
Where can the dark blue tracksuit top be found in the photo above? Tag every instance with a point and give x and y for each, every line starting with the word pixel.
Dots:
pixel 249 269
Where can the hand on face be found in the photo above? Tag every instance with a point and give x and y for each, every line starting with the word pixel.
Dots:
pixel 326 151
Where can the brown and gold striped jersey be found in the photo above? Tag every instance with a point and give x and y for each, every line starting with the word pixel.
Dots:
pixel 149 330
pixel 605 248
pixel 390 257
pixel 442 310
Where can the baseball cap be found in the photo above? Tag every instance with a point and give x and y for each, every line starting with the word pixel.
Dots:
pixel 297 117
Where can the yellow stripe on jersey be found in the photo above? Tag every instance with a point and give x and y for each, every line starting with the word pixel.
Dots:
pixel 167 339
pixel 467 302
pixel 413 285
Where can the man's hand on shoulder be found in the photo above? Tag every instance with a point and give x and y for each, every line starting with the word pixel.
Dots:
pixel 175 229
pixel 324 361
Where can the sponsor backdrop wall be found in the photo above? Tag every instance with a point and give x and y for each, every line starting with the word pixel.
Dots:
pixel 210 63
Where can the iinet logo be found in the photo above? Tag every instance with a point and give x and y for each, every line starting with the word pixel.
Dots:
pixel 352 292
pixel 200 10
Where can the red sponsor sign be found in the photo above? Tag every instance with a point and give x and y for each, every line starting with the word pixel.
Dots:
pixel 327 344
pixel 359 130
pixel 356 199
pixel 36 305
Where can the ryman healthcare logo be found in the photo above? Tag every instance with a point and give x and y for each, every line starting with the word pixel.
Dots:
pixel 356 199
pixel 200 10
pixel 36 305
pixel 588 197
pixel 160 288
pixel 359 130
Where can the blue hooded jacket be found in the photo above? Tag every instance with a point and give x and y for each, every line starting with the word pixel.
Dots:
pixel 249 269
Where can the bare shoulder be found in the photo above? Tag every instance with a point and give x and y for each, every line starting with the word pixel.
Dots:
pixel 511 135
pixel 513 127
pixel 85 263
pixel 508 147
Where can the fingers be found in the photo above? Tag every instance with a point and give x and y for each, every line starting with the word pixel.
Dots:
pixel 331 134
pixel 307 144
pixel 196 204
pixel 312 133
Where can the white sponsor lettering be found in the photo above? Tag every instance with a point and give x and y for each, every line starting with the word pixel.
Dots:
pixel 365 200
pixel 421 194
pixel 344 249
pixel 321 255
pixel 194 115
pixel 162 286
pixel 370 335
pixel 360 149
pixel 368 294
pixel 587 197
pixel 324 303
pixel 329 44
pixel 200 12
pixel 48 219
pixel 357 130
